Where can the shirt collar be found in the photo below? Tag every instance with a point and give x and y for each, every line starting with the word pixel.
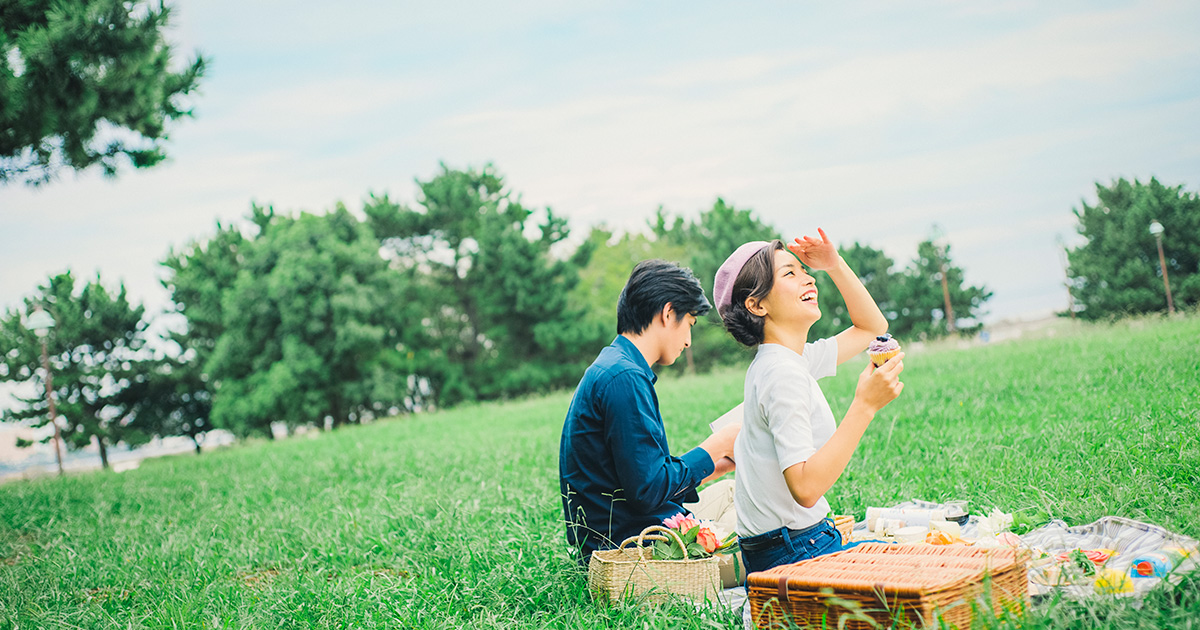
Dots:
pixel 772 351
pixel 627 348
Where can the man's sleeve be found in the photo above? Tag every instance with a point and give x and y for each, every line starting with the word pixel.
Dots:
pixel 646 470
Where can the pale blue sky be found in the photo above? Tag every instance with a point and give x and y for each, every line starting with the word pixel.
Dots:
pixel 872 120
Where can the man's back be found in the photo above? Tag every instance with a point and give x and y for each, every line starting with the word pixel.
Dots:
pixel 616 472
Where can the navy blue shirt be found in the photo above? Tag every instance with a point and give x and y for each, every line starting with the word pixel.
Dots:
pixel 616 474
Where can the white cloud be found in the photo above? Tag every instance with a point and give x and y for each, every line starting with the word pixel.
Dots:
pixel 994 132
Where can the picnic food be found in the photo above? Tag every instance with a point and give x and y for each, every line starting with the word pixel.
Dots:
pixel 883 348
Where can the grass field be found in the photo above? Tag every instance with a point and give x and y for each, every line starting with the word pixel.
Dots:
pixel 453 519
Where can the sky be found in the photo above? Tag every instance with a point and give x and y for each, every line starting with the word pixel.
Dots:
pixel 873 120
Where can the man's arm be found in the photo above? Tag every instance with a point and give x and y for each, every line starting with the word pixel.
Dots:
pixel 647 471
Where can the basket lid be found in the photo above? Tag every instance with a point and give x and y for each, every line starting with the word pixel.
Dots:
pixel 906 570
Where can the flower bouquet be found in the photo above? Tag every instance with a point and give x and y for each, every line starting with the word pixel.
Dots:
pixel 696 539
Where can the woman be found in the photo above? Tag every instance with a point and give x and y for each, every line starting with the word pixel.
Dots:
pixel 790 450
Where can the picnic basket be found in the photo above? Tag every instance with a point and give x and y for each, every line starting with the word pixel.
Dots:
pixel 844 523
pixel 632 571
pixel 880 583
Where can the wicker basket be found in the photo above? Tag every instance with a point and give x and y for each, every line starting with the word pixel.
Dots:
pixel 845 525
pixel 627 571
pixel 879 584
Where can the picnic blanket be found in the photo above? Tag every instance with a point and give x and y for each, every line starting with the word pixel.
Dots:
pixel 1129 538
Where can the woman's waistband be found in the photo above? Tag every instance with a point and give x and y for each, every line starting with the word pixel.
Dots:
pixel 775 534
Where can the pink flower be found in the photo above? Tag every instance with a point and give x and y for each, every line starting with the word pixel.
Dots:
pixel 681 522
pixel 707 539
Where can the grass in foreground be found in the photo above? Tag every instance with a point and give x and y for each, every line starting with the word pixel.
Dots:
pixel 453 519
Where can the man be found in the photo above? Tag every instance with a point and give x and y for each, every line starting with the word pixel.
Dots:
pixel 617 475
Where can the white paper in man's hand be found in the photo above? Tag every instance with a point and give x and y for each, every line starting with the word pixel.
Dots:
pixel 733 416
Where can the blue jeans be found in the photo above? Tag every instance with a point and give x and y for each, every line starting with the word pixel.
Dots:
pixel 785 546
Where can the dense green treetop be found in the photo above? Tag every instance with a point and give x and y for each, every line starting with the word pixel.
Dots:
pixel 495 316
pixel 1117 271
pixel 305 325
pixel 85 82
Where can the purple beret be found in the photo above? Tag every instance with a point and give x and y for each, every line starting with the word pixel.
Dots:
pixel 723 285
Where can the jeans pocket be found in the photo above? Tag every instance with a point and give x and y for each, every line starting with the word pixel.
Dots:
pixel 822 542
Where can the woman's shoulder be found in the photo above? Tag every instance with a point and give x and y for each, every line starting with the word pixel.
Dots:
pixel 776 361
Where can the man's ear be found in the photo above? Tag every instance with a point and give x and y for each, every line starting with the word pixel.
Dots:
pixel 667 313
pixel 754 305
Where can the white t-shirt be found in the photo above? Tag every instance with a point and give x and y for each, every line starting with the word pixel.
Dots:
pixel 786 419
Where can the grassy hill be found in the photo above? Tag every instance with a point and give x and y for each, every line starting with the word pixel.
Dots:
pixel 453 519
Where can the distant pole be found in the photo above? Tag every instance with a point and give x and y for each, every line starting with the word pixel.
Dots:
pixel 946 294
pixel 937 236
pixel 41 322
pixel 1157 230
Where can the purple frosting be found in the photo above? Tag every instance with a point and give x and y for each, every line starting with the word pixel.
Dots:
pixel 883 343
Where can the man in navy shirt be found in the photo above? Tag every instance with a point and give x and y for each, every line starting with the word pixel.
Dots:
pixel 617 475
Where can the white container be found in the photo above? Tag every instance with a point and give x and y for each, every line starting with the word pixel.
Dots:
pixel 911 534
pixel 910 516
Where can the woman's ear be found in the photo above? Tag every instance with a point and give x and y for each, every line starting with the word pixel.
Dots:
pixel 754 305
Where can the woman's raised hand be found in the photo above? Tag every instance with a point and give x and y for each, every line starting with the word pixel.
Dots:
pixel 819 254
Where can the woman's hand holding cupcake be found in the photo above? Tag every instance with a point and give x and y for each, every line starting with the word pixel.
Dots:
pixel 879 386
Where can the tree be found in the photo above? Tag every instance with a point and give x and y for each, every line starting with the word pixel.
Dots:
pixel 1117 271
pixel 494 316
pixel 181 392
pixel 918 303
pixel 308 327
pixel 85 82
pixel 95 353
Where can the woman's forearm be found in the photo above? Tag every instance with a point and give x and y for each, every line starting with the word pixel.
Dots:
pixel 808 481
pixel 861 307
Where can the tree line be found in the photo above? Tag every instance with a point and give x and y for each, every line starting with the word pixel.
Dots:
pixel 465 295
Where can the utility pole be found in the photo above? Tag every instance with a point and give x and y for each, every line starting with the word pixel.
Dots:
pixel 1157 230
pixel 936 238
pixel 41 322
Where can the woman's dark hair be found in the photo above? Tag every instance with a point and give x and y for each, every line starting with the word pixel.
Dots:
pixel 651 286
pixel 755 280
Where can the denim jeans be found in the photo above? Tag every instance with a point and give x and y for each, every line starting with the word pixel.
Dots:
pixel 785 546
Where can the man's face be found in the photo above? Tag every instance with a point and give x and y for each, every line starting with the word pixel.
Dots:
pixel 677 337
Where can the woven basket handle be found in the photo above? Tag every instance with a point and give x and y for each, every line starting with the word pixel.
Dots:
pixel 642 537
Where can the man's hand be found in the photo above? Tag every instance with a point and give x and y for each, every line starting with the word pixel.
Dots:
pixel 720 444
pixel 817 254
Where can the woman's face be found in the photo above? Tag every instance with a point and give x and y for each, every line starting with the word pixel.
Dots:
pixel 793 299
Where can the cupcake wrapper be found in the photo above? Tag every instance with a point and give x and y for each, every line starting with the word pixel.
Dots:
pixel 880 358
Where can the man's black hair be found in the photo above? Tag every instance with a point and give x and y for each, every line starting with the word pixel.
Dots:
pixel 651 286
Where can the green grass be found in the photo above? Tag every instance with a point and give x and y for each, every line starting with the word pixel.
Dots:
pixel 453 519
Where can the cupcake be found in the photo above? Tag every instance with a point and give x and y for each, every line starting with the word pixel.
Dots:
pixel 883 348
